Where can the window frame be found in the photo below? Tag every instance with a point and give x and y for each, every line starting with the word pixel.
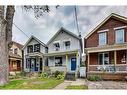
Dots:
pixel 31 51
pixel 67 46
pixel 100 44
pixel 60 63
pixel 35 48
pixel 116 39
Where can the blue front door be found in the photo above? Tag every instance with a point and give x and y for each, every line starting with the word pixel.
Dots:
pixel 73 64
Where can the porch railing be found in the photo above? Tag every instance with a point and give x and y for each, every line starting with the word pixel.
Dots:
pixel 108 68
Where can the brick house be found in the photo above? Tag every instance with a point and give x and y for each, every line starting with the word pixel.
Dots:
pixel 106 48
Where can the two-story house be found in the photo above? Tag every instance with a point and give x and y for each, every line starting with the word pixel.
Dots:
pixel 106 48
pixel 64 52
pixel 15 57
pixel 33 55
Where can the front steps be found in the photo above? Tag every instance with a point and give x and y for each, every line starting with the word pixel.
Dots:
pixel 70 76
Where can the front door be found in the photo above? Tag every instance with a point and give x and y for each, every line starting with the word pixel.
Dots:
pixel 33 64
pixel 73 64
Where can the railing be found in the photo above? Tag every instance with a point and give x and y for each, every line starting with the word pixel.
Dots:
pixel 108 68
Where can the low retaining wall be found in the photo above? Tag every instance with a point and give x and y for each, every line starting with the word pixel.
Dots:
pixel 109 76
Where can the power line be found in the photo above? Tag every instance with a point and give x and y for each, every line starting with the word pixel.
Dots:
pixel 20 30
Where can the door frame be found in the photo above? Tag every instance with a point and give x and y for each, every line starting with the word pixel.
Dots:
pixel 75 63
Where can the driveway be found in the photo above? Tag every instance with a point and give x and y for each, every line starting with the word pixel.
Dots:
pixel 107 85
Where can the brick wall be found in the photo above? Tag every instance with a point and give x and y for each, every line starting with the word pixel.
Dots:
pixel 93 40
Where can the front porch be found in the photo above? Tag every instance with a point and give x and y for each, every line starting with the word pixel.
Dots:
pixel 34 62
pixel 108 64
pixel 67 62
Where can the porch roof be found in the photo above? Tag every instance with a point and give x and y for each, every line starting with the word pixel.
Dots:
pixel 35 54
pixel 61 53
pixel 104 48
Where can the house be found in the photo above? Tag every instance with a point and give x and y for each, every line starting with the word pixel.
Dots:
pixel 64 52
pixel 15 57
pixel 106 48
pixel 33 55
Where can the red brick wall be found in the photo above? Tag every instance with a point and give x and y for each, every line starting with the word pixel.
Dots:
pixel 93 58
pixel 120 55
pixel 93 40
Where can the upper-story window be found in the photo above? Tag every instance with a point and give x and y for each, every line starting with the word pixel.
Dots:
pixel 102 38
pixel 37 48
pixel 57 46
pixel 67 45
pixel 11 50
pixel 119 35
pixel 30 49
pixel 15 51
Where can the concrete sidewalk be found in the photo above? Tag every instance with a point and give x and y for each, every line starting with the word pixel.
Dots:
pixel 66 83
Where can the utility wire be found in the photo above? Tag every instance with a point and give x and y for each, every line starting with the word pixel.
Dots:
pixel 20 30
pixel 77 21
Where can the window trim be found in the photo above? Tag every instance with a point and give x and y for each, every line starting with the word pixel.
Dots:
pixel 32 49
pixel 99 40
pixel 103 53
pixel 39 47
pixel 123 35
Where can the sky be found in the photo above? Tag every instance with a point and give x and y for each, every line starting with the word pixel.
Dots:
pixel 45 27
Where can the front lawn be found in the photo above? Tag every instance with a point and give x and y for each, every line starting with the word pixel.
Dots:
pixel 38 83
pixel 77 87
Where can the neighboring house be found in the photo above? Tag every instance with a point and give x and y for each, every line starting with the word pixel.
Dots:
pixel 33 52
pixel 64 52
pixel 15 57
pixel 106 48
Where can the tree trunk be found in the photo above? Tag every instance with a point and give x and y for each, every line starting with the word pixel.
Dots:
pixel 5 40
pixel 9 18
pixel 3 49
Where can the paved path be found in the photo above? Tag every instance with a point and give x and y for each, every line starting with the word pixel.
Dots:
pixel 107 85
pixel 67 83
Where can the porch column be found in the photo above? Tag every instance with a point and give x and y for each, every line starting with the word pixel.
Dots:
pixel 66 61
pixel 76 65
pixel 88 60
pixel 115 58
pixel 43 65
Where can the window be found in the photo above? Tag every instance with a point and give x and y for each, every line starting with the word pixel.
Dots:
pixel 102 38
pixel 103 58
pixel 15 51
pixel 57 46
pixel 28 63
pixel 30 49
pixel 58 61
pixel 11 50
pixel 67 44
pixel 37 48
pixel 119 35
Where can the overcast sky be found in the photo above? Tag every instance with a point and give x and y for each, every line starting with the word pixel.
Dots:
pixel 45 27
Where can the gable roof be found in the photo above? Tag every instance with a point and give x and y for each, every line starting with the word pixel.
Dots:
pixel 119 17
pixel 20 46
pixel 63 29
pixel 33 37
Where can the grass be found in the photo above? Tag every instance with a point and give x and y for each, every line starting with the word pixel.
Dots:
pixel 77 87
pixel 39 83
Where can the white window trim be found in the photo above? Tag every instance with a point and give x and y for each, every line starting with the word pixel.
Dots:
pixel 106 39
pixel 123 36
pixel 120 27
pixel 103 31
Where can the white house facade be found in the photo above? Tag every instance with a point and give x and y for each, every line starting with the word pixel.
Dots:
pixel 33 55
pixel 64 52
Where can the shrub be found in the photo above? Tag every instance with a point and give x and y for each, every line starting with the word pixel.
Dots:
pixel 94 78
pixel 60 76
pixel 57 73
pixel 44 75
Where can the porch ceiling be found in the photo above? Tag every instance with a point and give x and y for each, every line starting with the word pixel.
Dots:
pixel 107 48
pixel 61 53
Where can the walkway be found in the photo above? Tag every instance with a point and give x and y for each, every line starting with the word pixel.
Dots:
pixel 66 83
